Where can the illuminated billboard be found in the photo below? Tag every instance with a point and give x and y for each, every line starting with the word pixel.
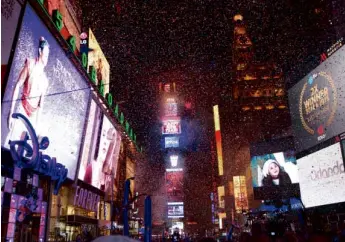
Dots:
pixel 274 169
pixel 322 177
pixel 101 150
pixel 171 126
pixel 97 59
pixel 240 193
pixel 10 11
pixel 171 142
pixel 45 86
pixel 175 210
pixel 317 104
pixel 277 169
pixel 174 160
pixel 174 186
pixel 170 107
pixel 218 140
pixel 221 197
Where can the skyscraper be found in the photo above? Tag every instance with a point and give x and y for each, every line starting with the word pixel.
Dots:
pixel 256 111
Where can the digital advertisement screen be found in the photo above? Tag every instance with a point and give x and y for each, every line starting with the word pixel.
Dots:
pixel 170 109
pixel 174 160
pixel 171 142
pixel 174 186
pixel 175 210
pixel 171 126
pixel 240 193
pixel 274 169
pixel 322 177
pixel 277 169
pixel 10 11
pixel 317 104
pixel 97 59
pixel 101 150
pixel 46 87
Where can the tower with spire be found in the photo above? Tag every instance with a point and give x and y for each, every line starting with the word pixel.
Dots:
pixel 256 86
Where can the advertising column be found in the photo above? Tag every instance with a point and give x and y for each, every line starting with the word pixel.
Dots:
pixel 220 189
pixel 171 130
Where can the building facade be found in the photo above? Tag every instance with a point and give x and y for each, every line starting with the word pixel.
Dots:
pixel 257 111
pixel 67 146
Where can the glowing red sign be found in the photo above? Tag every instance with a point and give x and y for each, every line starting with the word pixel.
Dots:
pixel 171 126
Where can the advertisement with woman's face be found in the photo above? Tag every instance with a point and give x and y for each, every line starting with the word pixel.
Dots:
pixel 47 88
pixel 101 151
pixel 277 169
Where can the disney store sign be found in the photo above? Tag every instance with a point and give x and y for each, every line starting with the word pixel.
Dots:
pixel 27 154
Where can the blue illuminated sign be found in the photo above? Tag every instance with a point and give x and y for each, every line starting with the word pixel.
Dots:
pixel 26 155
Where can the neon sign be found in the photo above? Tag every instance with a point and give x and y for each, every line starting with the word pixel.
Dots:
pixel 27 155
pixel 86 199
pixel 173 160
pixel 171 142
pixel 171 127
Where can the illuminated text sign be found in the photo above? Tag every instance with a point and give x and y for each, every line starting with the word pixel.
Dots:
pixel 86 199
pixel 29 156
pixel 171 127
pixel 171 142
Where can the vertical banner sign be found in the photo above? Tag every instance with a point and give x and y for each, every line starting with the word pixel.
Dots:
pixel 218 140
pixel 84 49
pixel 240 193
pixel 97 59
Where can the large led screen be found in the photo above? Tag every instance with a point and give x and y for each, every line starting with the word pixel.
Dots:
pixel 170 107
pixel 10 11
pixel 277 169
pixel 174 186
pixel 171 126
pixel 46 87
pixel 274 169
pixel 171 142
pixel 322 177
pixel 317 103
pixel 175 210
pixel 101 150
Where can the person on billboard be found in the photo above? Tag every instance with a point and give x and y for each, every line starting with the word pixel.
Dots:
pixel 35 84
pixel 109 161
pixel 96 171
pixel 274 175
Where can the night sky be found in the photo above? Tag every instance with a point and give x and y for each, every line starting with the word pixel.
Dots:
pixel 190 42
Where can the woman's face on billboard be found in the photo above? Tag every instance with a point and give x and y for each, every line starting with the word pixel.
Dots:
pixel 273 170
pixel 107 137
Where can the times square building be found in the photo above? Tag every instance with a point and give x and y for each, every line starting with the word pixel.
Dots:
pixel 66 148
